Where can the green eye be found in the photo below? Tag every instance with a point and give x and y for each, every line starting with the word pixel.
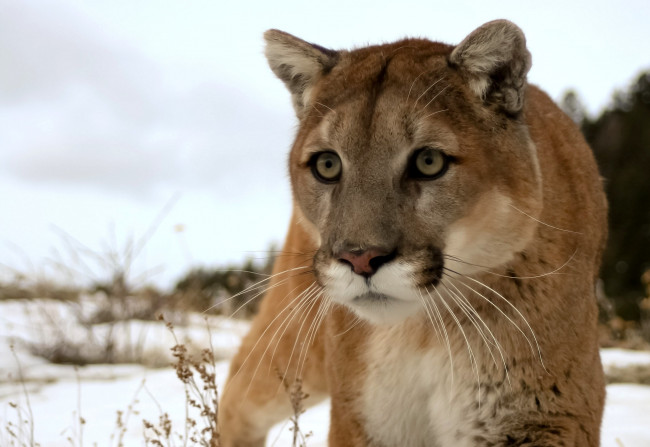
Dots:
pixel 428 163
pixel 326 167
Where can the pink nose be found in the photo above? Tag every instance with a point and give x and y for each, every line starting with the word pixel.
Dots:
pixel 365 262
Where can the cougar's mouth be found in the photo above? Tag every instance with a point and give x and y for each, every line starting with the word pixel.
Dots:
pixel 388 296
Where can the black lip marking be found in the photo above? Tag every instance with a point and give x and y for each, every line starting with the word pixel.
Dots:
pixel 372 297
pixel 432 273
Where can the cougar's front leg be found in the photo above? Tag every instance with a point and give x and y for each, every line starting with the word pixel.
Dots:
pixel 284 344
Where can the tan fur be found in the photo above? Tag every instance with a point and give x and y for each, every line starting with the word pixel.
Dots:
pixel 480 328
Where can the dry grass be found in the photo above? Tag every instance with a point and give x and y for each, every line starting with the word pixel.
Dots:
pixel 106 293
pixel 200 428
pixel 198 375
pixel 22 286
pixel 296 397
pixel 615 332
pixel 66 335
pixel 639 374
pixel 21 432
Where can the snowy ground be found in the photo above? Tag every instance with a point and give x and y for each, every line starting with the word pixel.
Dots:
pixel 57 395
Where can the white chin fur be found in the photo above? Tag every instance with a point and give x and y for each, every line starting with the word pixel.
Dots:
pixel 388 297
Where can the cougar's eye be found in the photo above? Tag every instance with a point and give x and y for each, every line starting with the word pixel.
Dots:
pixel 326 167
pixel 428 163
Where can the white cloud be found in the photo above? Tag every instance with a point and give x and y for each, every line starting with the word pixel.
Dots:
pixel 78 109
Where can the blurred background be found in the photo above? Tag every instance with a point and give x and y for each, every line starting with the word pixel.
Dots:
pixel 143 144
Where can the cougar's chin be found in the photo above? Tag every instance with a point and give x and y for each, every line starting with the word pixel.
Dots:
pixel 383 309
pixel 387 297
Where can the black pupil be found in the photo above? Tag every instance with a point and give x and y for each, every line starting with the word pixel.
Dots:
pixel 429 160
pixel 328 164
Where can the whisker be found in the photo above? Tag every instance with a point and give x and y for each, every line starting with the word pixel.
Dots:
pixel 472 358
pixel 435 113
pixel 277 253
pixel 444 329
pixel 425 92
pixel 472 315
pixel 227 270
pixel 488 270
pixel 256 285
pixel 262 291
pixel 312 299
pixel 312 333
pixel 466 306
pixel 354 324
pixel 434 98
pixel 306 302
pixel 303 299
pixel 539 351
pixel 257 295
pixel 434 323
pixel 327 107
pixel 259 339
pixel 298 257
pixel 394 52
pixel 413 83
pixel 543 223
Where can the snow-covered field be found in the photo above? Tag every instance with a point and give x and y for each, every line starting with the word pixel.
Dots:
pixel 57 395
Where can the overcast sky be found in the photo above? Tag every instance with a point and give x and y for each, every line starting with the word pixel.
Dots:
pixel 110 111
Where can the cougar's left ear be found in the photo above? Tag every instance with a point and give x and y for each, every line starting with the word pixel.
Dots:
pixel 494 59
pixel 298 64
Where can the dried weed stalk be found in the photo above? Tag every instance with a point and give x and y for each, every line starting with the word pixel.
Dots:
pixel 296 397
pixel 21 432
pixel 122 421
pixel 201 397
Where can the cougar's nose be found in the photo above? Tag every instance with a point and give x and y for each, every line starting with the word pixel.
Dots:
pixel 366 262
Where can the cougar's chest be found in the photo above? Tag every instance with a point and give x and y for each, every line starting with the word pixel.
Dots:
pixel 414 396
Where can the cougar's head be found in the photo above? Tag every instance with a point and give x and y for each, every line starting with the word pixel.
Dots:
pixel 412 161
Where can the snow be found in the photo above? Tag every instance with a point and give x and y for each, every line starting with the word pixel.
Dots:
pixel 58 394
pixel 623 357
pixel 627 416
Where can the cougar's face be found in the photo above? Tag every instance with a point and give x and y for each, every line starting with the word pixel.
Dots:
pixel 402 177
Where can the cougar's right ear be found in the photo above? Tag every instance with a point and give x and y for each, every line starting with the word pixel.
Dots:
pixel 298 64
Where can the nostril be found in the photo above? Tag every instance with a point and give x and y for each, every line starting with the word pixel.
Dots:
pixel 358 262
pixel 378 261
pixel 366 262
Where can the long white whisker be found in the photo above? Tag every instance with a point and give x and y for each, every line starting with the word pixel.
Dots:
pixel 282 327
pixel 434 323
pixel 543 223
pixel 444 329
pixel 435 113
pixel 259 339
pixel 472 358
pixel 472 315
pixel 354 324
pixel 539 351
pixel 469 310
pixel 313 300
pixel 306 303
pixel 412 84
pixel 327 107
pixel 258 294
pixel 435 96
pixel 425 92
pixel 487 269
pixel 312 333
pixel 257 285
